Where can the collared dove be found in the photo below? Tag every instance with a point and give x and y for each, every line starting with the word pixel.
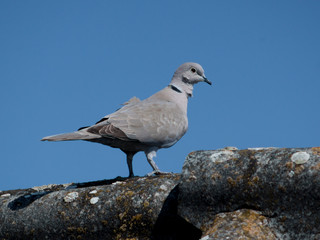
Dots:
pixel 156 122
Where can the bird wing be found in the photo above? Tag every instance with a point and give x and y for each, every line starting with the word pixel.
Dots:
pixel 152 122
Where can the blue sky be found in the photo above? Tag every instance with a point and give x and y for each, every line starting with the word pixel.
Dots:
pixel 66 64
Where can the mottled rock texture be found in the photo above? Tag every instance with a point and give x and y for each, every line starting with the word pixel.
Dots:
pixel 124 210
pixel 262 193
pixel 283 197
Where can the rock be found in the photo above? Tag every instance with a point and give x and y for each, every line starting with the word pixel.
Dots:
pixel 118 209
pixel 283 193
pixel 240 224
pixel 259 193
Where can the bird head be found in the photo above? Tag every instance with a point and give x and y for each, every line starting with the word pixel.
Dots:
pixel 187 75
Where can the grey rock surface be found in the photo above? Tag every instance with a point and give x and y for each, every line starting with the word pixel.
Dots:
pixel 263 193
pixel 116 210
pixel 281 185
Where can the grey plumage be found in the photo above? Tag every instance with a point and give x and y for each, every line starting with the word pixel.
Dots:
pixel 156 122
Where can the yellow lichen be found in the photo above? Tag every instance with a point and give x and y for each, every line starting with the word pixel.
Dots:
pixel 79 230
pixel 122 215
pixel 123 227
pixel 129 193
pixel 298 169
pixel 251 184
pixel 255 179
pixel 246 223
pixel 289 165
pixel 146 204
pixel 104 222
pixel 239 178
pixel 215 176
pixel 231 181
pixel 137 217
pixel 119 198
pixel 316 150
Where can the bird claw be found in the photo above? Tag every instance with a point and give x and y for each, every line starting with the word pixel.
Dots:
pixel 158 173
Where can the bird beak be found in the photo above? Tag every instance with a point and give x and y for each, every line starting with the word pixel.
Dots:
pixel 206 80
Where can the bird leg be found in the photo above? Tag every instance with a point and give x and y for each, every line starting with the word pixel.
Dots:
pixel 151 153
pixel 129 162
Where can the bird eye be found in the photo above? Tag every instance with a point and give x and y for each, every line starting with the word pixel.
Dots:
pixel 193 70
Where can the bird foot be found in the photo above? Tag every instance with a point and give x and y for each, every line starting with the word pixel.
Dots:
pixel 157 172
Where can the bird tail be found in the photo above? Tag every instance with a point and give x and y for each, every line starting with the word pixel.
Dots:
pixel 79 135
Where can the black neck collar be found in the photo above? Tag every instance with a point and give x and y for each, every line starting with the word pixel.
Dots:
pixel 174 88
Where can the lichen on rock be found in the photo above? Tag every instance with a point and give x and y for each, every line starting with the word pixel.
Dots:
pixel 257 193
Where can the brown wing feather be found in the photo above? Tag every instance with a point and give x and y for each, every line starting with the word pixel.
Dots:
pixel 109 131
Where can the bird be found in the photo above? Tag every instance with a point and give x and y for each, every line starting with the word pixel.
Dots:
pixel 145 125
